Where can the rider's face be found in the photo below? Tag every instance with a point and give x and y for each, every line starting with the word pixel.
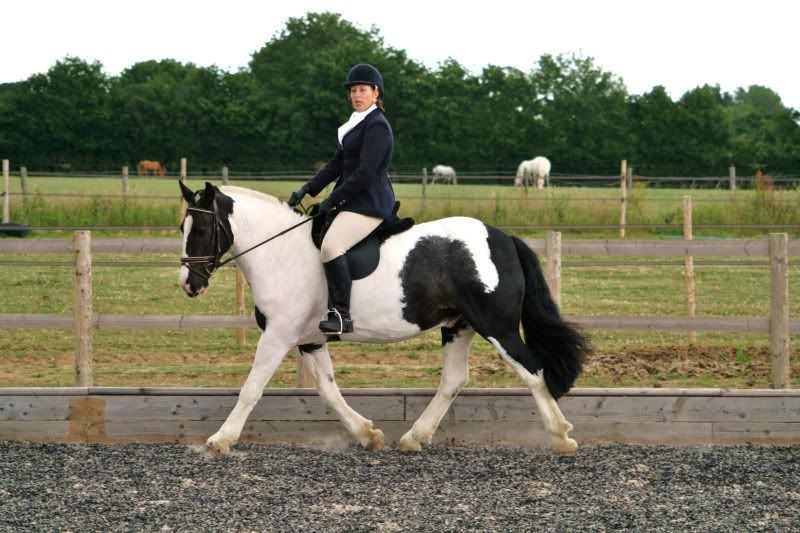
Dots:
pixel 363 96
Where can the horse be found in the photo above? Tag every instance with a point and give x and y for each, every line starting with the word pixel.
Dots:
pixel 152 167
pixel 448 174
pixel 456 273
pixel 538 168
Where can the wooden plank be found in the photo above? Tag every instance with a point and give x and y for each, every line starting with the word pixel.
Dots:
pixel 580 410
pixel 479 408
pixel 330 433
pixel 32 321
pixel 573 247
pixel 655 323
pixel 127 245
pixel 28 408
pixel 173 321
pixel 756 432
pixel 739 409
pixel 659 248
pixel 392 391
pixel 674 433
pixel 271 408
pixel 35 430
pixel 675 323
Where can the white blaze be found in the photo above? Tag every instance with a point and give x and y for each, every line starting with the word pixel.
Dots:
pixel 183 273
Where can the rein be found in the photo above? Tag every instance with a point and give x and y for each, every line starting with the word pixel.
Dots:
pixel 212 262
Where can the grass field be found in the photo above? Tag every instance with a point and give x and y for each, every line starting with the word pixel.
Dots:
pixel 212 358
pixel 494 204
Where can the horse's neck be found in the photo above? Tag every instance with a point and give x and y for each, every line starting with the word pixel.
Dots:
pixel 255 220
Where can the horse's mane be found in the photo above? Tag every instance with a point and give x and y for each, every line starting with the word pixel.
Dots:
pixel 248 192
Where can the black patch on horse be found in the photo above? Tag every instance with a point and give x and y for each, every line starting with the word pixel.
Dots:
pixel 261 319
pixel 435 275
pixel 309 348
pixel 363 258
pixel 449 334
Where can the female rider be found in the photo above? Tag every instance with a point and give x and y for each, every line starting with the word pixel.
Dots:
pixel 362 197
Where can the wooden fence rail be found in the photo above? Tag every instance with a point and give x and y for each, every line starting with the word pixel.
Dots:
pixel 778 324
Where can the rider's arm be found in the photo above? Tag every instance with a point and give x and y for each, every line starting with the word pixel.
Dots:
pixel 327 174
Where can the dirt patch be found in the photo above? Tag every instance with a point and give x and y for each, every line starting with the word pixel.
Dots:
pixel 659 366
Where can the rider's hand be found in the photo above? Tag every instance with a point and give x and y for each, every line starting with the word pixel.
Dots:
pixel 297 195
pixel 326 205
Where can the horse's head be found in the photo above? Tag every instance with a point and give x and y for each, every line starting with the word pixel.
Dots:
pixel 207 236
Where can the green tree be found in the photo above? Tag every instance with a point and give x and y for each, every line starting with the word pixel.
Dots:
pixel 584 114
pixel 766 134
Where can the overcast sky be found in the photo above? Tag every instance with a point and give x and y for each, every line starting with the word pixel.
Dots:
pixel 675 43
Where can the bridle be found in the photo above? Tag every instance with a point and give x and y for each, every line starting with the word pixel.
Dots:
pixel 205 265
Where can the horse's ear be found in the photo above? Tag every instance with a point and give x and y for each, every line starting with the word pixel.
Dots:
pixel 187 193
pixel 209 192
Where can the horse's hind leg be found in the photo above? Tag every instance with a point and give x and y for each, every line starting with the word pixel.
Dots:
pixel 554 422
pixel 318 361
pixel 455 374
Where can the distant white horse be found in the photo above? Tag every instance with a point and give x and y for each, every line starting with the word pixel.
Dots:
pixel 538 168
pixel 448 174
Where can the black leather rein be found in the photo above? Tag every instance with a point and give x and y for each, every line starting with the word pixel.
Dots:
pixel 210 263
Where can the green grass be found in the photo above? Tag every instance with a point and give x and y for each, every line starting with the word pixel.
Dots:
pixel 494 204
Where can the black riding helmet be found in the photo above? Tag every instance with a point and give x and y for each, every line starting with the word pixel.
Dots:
pixel 364 73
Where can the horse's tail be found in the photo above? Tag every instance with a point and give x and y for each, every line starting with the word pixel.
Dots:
pixel 559 346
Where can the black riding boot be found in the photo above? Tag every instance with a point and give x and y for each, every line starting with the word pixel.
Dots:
pixel 338 319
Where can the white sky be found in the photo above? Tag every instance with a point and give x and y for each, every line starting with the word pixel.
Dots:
pixel 676 43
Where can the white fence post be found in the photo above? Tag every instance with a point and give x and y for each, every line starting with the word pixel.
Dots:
pixel 6 192
pixel 732 177
pixel 225 175
pixel 23 178
pixel 83 326
pixel 623 175
pixel 688 263
pixel 779 309
pixel 553 253
pixel 125 180
pixel 424 187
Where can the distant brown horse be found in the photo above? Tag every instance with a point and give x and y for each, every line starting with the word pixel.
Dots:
pixel 146 167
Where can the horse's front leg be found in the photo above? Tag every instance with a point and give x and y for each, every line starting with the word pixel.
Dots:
pixel 269 354
pixel 318 361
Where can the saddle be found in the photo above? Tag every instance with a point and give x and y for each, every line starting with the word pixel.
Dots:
pixel 363 258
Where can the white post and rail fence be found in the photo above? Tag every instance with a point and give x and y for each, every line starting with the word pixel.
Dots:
pixel 778 324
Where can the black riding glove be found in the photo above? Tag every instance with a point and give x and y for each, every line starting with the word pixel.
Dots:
pixel 326 206
pixel 297 195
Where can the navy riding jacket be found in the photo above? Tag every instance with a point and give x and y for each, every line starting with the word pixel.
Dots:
pixel 360 166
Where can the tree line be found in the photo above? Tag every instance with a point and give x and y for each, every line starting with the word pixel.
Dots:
pixel 281 113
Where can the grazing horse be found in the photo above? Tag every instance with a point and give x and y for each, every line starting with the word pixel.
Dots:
pixel 448 174
pixel 455 273
pixel 537 168
pixel 146 167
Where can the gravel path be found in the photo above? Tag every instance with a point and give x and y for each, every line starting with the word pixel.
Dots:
pixel 295 488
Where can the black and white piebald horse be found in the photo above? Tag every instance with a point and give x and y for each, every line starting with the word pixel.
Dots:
pixel 455 273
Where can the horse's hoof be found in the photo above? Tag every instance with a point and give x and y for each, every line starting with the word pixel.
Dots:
pixel 409 444
pixel 566 446
pixel 376 440
pixel 218 445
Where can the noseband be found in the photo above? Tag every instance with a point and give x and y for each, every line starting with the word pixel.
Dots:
pixel 204 265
